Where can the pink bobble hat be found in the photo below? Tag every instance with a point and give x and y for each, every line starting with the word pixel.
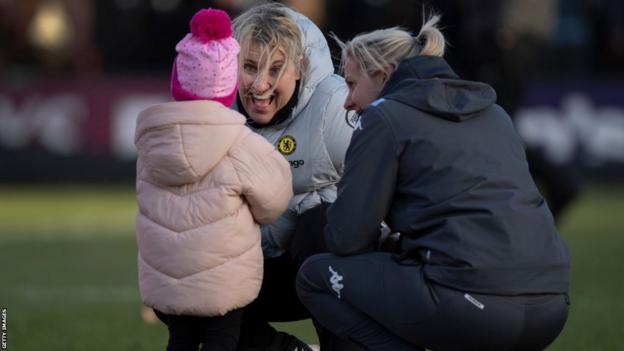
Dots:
pixel 206 65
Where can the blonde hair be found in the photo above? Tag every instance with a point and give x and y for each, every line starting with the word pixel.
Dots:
pixel 385 48
pixel 270 26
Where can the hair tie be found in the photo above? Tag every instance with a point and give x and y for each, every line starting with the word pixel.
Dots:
pixel 418 44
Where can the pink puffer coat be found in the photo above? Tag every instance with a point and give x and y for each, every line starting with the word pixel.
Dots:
pixel 204 182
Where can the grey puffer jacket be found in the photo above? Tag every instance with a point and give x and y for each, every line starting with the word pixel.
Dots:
pixel 314 139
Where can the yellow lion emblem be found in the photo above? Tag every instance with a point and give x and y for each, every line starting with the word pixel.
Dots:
pixel 287 145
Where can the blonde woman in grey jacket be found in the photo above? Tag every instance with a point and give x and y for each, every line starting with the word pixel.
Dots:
pixel 290 95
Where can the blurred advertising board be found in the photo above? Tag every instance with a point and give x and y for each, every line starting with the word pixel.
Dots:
pixel 74 130
pixel 83 130
pixel 576 121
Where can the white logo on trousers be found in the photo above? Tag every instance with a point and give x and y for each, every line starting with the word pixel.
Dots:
pixel 474 301
pixel 335 280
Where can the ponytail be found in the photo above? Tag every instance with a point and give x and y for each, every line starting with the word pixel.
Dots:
pixel 431 39
pixel 383 48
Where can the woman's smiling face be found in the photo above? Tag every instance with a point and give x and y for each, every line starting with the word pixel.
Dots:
pixel 265 85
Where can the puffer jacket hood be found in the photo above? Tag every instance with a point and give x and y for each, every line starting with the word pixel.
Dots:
pixel 428 84
pixel 204 183
pixel 180 135
pixel 319 67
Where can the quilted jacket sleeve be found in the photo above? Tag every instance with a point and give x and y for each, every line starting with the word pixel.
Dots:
pixel 265 177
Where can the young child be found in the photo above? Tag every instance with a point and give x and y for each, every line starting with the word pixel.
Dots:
pixel 204 183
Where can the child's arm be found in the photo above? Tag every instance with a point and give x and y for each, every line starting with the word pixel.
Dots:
pixel 265 177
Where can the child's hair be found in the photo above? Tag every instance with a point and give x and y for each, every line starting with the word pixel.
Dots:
pixel 385 48
pixel 273 30
pixel 206 66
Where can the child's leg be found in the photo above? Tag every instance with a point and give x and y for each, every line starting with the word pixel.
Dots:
pixel 183 333
pixel 221 333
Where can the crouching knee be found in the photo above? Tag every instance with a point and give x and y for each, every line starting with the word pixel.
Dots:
pixel 311 275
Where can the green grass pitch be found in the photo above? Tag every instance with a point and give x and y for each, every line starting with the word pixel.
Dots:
pixel 68 270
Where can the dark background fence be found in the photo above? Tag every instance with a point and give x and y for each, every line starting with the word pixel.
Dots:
pixel 74 74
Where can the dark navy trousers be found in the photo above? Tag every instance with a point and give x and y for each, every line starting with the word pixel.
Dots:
pixel 278 301
pixel 383 305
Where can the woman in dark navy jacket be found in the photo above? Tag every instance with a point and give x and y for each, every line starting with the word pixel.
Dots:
pixel 480 264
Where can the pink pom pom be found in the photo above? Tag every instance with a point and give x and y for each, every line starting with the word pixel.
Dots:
pixel 211 24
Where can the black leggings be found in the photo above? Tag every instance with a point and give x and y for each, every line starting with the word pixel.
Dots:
pixel 187 333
